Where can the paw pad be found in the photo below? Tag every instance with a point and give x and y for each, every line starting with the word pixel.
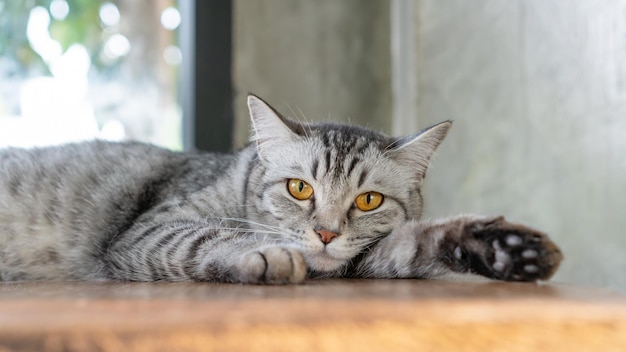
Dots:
pixel 502 257
pixel 498 266
pixel 513 240
pixel 529 254
pixel 531 268
pixel 457 253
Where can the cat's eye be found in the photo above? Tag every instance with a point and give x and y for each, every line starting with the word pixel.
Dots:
pixel 299 189
pixel 369 201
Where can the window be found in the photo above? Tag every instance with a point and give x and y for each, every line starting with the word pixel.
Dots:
pixel 74 70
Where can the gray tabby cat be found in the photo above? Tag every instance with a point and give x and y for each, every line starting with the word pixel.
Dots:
pixel 303 200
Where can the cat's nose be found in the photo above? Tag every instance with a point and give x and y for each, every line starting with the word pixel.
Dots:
pixel 325 235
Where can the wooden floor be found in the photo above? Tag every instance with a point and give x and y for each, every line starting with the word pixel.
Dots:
pixel 349 315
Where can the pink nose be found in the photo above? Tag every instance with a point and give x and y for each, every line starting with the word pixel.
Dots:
pixel 325 235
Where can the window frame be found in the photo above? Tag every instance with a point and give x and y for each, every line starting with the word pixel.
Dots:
pixel 206 87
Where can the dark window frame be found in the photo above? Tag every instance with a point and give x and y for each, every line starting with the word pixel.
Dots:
pixel 206 88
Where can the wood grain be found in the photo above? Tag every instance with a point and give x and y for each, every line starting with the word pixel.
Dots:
pixel 348 315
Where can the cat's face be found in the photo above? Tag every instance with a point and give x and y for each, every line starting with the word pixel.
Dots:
pixel 333 189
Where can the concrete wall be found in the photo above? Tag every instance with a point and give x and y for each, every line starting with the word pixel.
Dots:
pixel 538 92
pixel 326 59
pixel 537 89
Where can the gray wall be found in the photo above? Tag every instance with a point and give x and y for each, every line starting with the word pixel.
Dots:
pixel 537 89
pixel 325 59
pixel 538 92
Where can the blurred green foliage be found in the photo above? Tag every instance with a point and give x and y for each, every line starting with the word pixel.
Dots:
pixel 81 25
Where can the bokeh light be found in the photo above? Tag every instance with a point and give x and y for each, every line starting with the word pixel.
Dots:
pixel 59 9
pixel 109 14
pixel 172 55
pixel 116 46
pixel 170 18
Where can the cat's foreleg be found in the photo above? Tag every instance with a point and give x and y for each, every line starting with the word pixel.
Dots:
pixel 202 251
pixel 487 246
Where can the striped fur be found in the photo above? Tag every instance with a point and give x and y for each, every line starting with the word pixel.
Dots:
pixel 130 211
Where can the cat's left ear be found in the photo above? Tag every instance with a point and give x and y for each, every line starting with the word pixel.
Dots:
pixel 271 129
pixel 417 149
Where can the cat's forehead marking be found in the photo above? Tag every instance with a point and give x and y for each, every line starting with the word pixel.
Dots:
pixel 349 139
pixel 344 148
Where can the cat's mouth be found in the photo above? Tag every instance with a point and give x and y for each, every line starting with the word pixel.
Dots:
pixel 323 261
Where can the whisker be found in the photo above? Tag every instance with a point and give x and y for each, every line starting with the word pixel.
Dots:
pixel 293 112
pixel 250 222
pixel 302 113
pixel 301 121
pixel 305 125
pixel 241 230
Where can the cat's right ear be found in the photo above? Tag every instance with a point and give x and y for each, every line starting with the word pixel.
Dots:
pixel 270 129
pixel 417 149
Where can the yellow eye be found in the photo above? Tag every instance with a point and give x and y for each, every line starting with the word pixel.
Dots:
pixel 299 189
pixel 369 201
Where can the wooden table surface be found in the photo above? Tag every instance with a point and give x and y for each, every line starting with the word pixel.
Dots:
pixel 337 315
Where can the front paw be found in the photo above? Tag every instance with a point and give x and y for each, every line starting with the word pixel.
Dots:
pixel 272 265
pixel 501 250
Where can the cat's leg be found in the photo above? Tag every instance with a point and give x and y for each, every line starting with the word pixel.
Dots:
pixel 202 251
pixel 486 246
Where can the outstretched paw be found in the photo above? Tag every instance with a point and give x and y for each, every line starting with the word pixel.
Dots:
pixel 501 250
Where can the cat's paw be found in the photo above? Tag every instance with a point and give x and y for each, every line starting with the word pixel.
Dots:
pixel 497 249
pixel 272 265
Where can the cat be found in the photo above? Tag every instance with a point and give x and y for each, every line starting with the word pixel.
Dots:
pixel 301 201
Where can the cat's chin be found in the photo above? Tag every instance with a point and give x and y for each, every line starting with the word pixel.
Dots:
pixel 323 262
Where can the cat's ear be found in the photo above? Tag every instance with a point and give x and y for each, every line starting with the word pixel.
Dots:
pixel 270 129
pixel 417 149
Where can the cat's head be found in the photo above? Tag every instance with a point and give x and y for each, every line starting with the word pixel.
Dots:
pixel 335 189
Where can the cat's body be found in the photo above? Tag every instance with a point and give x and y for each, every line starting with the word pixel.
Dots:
pixel 323 200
